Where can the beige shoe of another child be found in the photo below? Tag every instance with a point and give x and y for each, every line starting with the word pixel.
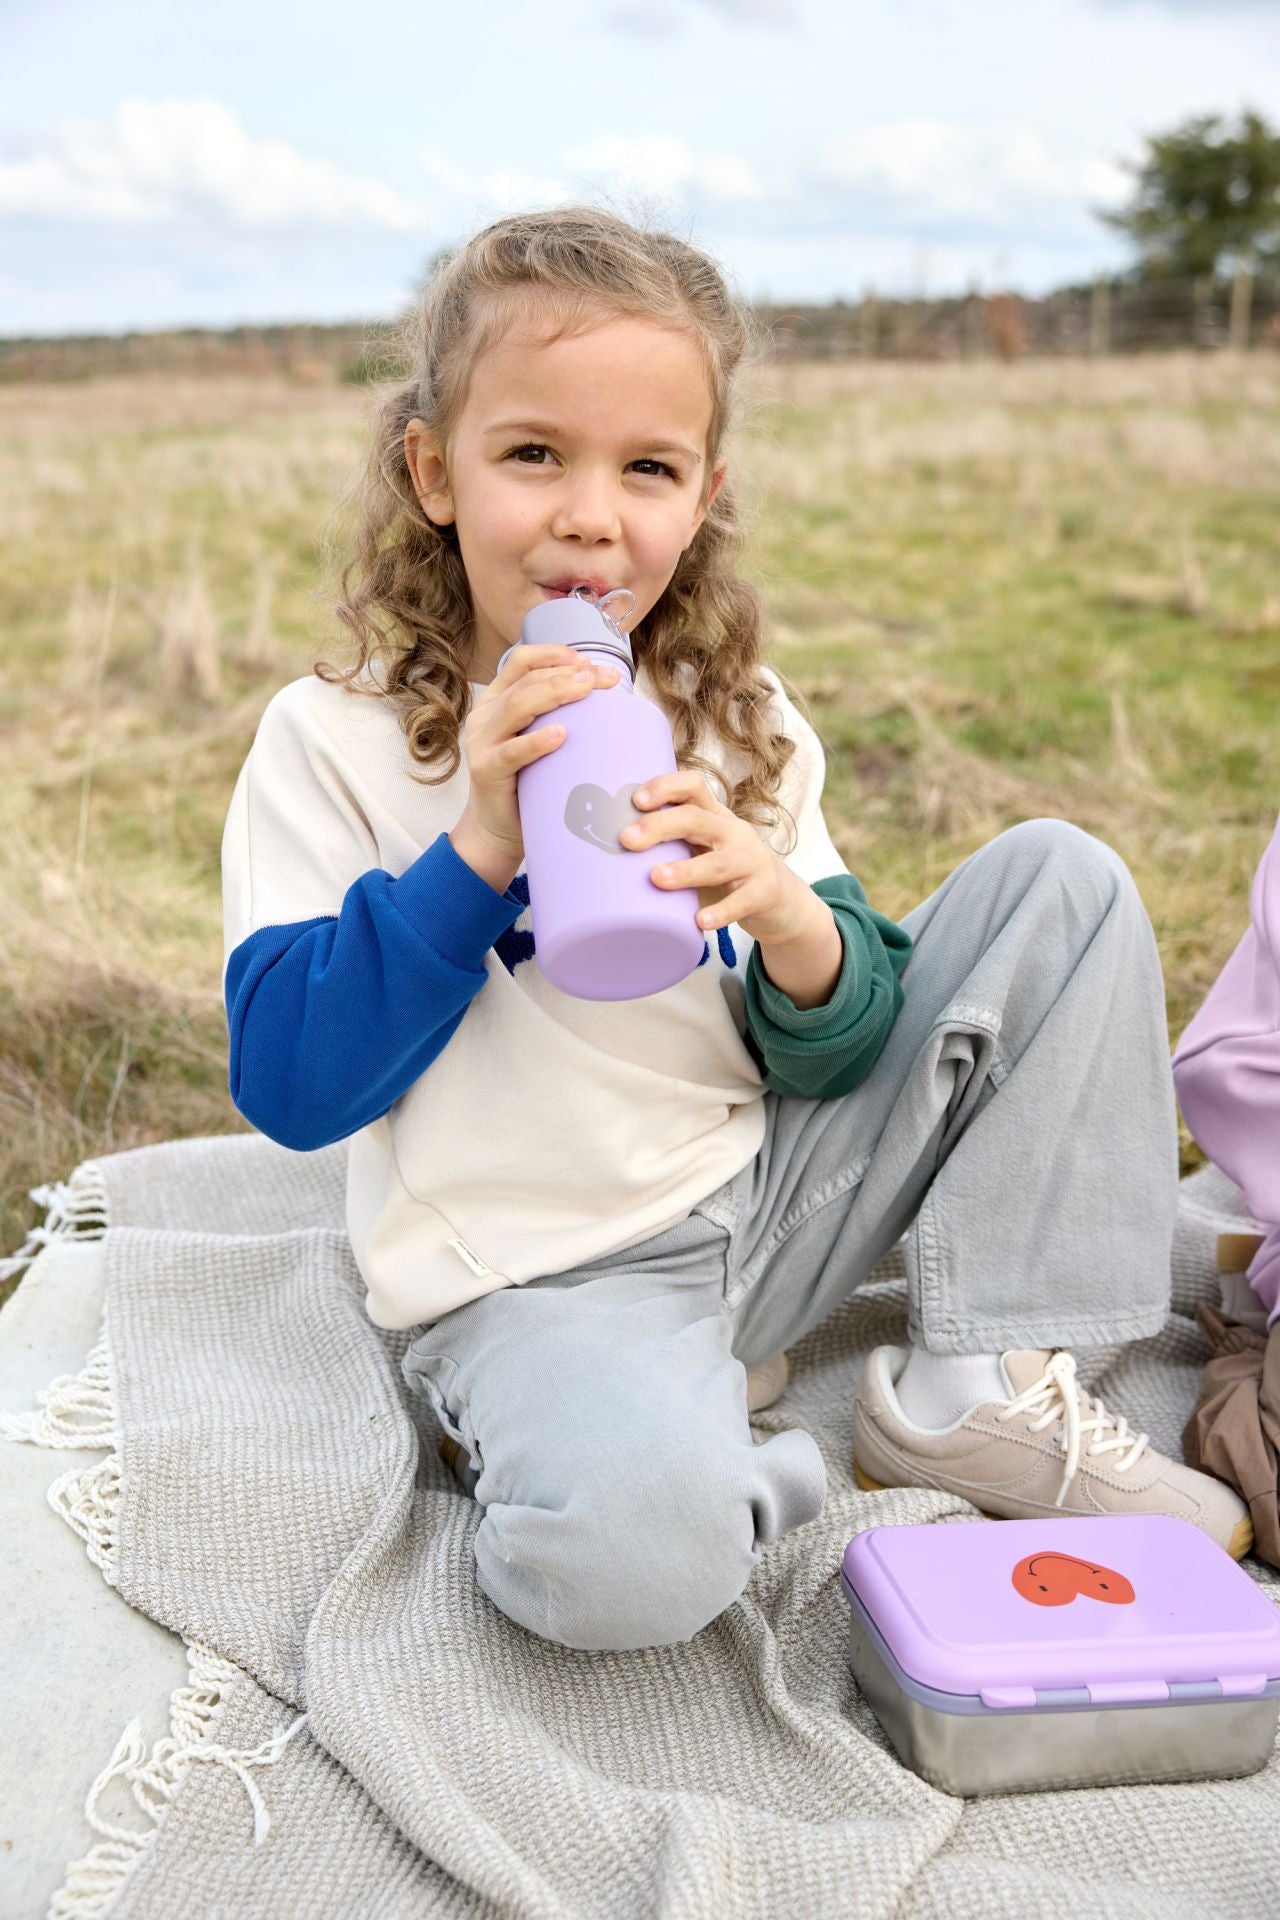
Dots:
pixel 1049 1449
pixel 767 1382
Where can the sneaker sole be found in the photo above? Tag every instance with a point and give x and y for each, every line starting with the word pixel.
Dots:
pixel 1240 1543
pixel 759 1374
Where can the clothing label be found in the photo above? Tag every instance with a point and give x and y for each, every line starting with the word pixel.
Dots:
pixel 472 1259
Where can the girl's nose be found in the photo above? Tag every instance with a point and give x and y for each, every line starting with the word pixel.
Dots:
pixel 587 509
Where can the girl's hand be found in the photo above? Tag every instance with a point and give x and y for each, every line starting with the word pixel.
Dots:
pixel 739 878
pixel 534 681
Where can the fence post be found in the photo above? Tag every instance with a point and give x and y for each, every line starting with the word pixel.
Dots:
pixel 1100 317
pixel 971 335
pixel 1241 303
pixel 869 320
pixel 1199 314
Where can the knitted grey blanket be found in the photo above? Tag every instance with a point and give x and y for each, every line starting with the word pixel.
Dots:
pixel 385 1742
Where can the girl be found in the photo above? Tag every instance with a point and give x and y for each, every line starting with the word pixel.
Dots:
pixel 597 1217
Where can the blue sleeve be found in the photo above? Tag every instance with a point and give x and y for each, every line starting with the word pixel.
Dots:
pixel 823 1052
pixel 332 1019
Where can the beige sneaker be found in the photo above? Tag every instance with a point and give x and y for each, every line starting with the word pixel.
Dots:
pixel 767 1382
pixel 1050 1448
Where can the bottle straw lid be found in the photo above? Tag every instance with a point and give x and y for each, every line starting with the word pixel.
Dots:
pixel 601 603
pixel 620 643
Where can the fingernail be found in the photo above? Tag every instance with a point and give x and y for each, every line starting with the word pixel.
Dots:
pixel 641 795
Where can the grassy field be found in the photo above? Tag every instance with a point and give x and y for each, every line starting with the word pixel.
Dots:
pixel 1008 591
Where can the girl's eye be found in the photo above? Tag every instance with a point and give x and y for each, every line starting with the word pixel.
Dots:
pixel 537 447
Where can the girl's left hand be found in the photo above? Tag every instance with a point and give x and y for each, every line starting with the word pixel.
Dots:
pixel 739 878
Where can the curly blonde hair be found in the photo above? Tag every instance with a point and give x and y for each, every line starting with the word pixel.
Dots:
pixel 404 587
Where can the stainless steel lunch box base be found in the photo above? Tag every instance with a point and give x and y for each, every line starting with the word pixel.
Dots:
pixel 1064 1746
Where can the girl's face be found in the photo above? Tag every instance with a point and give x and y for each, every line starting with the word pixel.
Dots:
pixel 579 460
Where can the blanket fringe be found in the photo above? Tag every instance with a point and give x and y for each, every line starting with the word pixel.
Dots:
pixel 74 1207
pixel 76 1408
pixel 88 1499
pixel 93 1882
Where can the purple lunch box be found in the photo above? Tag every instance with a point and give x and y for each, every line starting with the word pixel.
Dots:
pixel 1008 1656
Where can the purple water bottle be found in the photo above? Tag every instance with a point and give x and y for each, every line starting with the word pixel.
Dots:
pixel 602 929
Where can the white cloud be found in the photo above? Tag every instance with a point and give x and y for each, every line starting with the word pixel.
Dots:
pixel 1193 6
pixel 756 13
pixel 499 188
pixel 183 214
pixel 915 171
pixel 653 163
pixel 654 19
pixel 154 162
pixel 649 22
pixel 663 163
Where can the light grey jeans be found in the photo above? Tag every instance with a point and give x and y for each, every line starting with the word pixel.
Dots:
pixel 1020 1122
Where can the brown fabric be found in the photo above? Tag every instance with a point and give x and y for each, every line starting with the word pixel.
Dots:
pixel 1234 1431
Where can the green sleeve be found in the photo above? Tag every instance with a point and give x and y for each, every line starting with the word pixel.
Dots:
pixel 823 1052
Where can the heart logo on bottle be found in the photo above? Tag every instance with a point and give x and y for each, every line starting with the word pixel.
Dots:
pixel 1055 1579
pixel 598 817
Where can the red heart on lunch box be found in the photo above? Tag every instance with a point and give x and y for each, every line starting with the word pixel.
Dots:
pixel 1054 1580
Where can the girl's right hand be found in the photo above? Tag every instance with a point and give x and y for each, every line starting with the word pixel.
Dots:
pixel 534 681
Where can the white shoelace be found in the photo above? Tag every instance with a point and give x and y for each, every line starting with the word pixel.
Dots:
pixel 1057 1393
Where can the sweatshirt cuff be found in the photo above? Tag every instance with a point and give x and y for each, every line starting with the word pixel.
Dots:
pixel 451 907
pixel 778 1009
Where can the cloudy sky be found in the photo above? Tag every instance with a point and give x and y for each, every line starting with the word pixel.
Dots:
pixel 162 165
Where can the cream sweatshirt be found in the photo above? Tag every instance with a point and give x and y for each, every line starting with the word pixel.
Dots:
pixel 379 990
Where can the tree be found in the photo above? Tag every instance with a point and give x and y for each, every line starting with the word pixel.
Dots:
pixel 1207 198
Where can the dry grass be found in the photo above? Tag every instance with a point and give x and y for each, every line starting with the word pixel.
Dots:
pixel 1045 588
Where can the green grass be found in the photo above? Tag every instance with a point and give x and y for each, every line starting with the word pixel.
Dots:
pixel 1005 591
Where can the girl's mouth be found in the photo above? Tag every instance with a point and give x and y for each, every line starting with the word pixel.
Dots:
pixel 561 589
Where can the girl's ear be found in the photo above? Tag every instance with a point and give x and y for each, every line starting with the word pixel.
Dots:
pixel 426 471
pixel 718 473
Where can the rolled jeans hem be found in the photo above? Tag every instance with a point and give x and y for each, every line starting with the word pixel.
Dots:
pixel 1001 1337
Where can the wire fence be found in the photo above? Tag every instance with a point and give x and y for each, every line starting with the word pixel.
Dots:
pixel 1108 316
